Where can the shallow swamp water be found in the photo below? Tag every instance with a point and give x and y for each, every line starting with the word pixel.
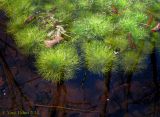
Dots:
pixel 24 93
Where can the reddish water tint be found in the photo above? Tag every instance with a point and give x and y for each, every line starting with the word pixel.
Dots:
pixel 86 95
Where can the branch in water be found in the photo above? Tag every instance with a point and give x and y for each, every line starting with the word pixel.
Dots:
pixel 67 108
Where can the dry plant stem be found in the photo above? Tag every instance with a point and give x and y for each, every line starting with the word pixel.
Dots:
pixel 131 42
pixel 150 20
pixel 78 103
pixel 114 10
pixel 54 41
pixel 29 19
pixel 21 85
pixel 67 108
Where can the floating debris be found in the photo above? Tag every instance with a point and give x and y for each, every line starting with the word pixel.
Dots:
pixel 117 51
pixel 55 40
pixel 108 99
pixel 3 92
pixel 57 36
pixel 156 28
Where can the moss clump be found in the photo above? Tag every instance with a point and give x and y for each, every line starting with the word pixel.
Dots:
pixel 92 27
pixel 118 42
pixel 58 64
pixel 30 39
pixel 98 57
pixel 109 32
pixel 132 61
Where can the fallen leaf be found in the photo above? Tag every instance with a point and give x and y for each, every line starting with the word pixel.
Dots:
pixel 55 40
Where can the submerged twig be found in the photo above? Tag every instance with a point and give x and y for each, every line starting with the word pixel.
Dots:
pixel 67 108
pixel 30 81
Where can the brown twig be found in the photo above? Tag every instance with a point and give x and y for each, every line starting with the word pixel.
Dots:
pixel 150 20
pixel 30 81
pixel 67 108
pixel 131 42
pixel 114 10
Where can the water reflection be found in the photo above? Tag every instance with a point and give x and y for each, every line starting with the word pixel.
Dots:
pixel 115 94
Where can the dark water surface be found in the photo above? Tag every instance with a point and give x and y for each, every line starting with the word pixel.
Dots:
pixel 23 90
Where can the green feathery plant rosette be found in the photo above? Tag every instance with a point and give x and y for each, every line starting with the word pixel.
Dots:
pixel 98 57
pixel 58 63
pixel 30 39
pixel 110 33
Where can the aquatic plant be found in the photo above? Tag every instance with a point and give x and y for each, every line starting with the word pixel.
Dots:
pixel 109 33
pixel 98 57
pixel 58 64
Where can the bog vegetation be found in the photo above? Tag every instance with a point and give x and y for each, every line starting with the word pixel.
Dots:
pixel 108 34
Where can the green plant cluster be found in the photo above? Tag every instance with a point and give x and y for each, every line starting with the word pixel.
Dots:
pixel 109 32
